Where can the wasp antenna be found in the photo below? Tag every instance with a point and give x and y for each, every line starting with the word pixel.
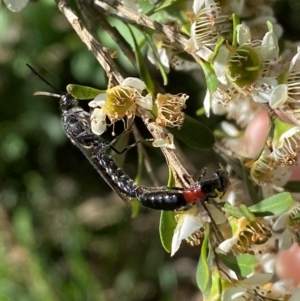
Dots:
pixel 47 94
pixel 43 79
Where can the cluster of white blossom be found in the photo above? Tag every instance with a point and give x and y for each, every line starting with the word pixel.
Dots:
pixel 258 90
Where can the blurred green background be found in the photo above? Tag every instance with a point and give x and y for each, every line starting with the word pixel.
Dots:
pixel 63 234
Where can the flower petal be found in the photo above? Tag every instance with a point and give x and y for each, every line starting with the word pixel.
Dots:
pixel 134 83
pixel 263 94
pixel 233 293
pixel 278 96
pixel 269 47
pixel 218 108
pixel 145 102
pixel 243 34
pixel 280 222
pixel 258 279
pixel 197 5
pixel 207 103
pixel 187 225
pixel 286 240
pixel 227 244
pixel 295 60
pixel 220 64
pixel 163 57
pixel 98 123
pixel 98 101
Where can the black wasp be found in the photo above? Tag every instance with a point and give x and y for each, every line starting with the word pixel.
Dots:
pixel 76 123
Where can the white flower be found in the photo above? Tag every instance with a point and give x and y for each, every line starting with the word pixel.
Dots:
pixel 208 25
pixel 118 102
pixel 188 222
pixel 243 68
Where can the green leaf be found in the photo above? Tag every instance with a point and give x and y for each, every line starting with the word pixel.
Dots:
pixel 211 79
pixel 243 265
pixel 161 5
pixel 293 186
pixel 186 29
pixel 216 50
pixel 273 205
pixel 167 225
pixel 83 92
pixel 233 211
pixel 215 293
pixel 235 23
pixel 135 207
pixel 194 134
pixel 200 112
pixel 203 275
pixel 247 213
pixel 142 68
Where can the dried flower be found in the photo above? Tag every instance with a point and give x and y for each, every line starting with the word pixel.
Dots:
pixel 170 109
